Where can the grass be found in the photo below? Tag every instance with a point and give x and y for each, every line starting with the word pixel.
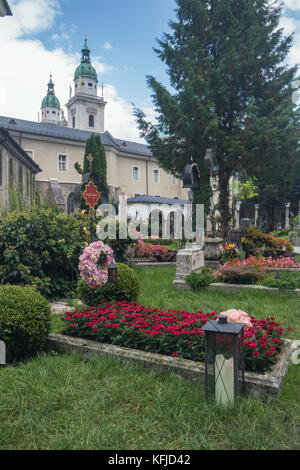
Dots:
pixel 65 402
pixel 157 291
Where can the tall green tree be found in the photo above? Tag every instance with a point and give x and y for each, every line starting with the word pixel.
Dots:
pixel 230 90
pixel 95 147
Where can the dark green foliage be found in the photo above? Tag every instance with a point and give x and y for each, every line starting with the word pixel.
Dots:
pixel 126 288
pixel 25 320
pixel 198 281
pixel 95 147
pixel 286 281
pixel 41 247
pixel 229 91
pixel 123 248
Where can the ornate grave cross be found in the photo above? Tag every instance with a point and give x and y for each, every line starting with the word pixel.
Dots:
pixel 90 159
pixel 91 195
pixel 2 353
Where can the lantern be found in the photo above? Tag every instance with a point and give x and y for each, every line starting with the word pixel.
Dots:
pixel 112 273
pixel 224 360
pixel 191 177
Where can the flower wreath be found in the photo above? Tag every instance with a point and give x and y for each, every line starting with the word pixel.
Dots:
pixel 90 271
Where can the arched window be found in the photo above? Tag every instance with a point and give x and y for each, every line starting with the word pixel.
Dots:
pixel 91 121
pixel 70 204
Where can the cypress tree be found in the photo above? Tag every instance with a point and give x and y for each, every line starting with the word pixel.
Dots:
pixel 230 90
pixel 95 147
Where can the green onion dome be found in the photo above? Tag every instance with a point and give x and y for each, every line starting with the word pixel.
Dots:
pixel 85 69
pixel 50 100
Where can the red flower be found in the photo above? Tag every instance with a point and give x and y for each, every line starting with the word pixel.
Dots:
pixel 175 354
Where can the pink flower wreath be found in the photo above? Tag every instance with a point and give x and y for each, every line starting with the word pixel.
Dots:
pixel 90 271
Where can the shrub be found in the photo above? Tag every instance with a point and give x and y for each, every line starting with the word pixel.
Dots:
pixel 159 257
pixel 146 250
pixel 286 281
pixel 240 273
pixel 24 321
pixel 40 247
pixel 256 242
pixel 126 288
pixel 198 281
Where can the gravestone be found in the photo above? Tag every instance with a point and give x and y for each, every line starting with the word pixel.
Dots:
pixel 189 260
pixel 235 236
pixel 245 223
pixel 2 353
pixel 212 253
pixel 294 238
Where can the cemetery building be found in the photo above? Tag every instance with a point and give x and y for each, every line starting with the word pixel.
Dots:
pixel 17 169
pixel 56 143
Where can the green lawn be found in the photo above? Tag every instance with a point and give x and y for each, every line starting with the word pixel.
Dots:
pixel 66 402
pixel 157 291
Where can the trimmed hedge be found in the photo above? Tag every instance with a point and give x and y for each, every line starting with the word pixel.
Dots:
pixel 25 319
pixel 125 289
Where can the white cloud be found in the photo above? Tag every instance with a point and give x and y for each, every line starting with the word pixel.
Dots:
pixel 118 115
pixel 27 64
pixel 107 46
pixel 292 4
pixel 292 25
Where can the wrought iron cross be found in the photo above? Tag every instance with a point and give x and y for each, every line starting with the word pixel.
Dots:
pixel 90 159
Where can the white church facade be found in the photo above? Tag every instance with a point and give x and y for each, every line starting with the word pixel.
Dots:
pixel 56 143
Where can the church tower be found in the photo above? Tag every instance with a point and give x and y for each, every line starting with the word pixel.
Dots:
pixel 51 106
pixel 86 108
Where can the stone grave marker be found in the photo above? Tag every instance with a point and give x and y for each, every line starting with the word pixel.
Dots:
pixel 2 353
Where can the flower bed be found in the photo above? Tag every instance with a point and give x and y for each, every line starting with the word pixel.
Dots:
pixel 155 253
pixel 256 242
pixel 259 261
pixel 253 269
pixel 173 333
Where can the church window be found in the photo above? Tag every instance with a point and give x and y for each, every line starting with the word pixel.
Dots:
pixel 156 176
pixel 53 112
pixel 70 204
pixel 30 153
pixel 73 123
pixel 90 84
pixel 91 121
pixel 62 162
pixel 135 173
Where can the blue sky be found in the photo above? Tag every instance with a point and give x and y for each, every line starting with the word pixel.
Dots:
pixel 46 36
pixel 128 27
